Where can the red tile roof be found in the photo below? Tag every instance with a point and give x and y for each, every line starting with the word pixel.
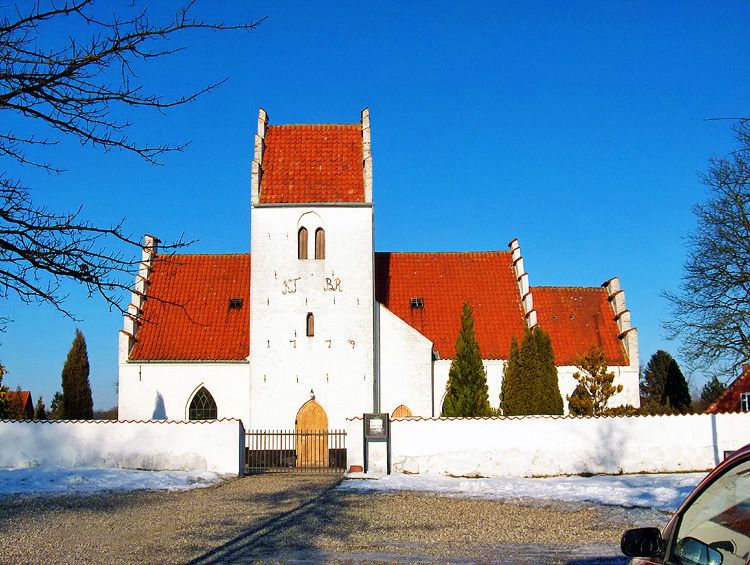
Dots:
pixel 312 163
pixel 729 401
pixel 445 281
pixel 24 397
pixel 577 319
pixel 187 315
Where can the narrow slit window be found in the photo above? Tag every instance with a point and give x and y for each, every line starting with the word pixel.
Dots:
pixel 302 243
pixel 310 324
pixel 320 243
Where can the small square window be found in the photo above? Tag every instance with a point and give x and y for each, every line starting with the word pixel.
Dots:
pixel 235 303
pixel 417 302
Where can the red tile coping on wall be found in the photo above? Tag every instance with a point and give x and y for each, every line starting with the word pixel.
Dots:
pixel 577 319
pixel 312 163
pixel 445 281
pixel 187 317
pixel 729 401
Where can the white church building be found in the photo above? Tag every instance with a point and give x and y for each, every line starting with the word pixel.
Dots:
pixel 314 325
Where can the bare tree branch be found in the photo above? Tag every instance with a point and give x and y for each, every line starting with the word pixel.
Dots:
pixel 711 312
pixel 81 87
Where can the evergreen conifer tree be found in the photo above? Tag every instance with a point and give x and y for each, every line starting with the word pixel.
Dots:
pixel 580 402
pixel 3 397
pixel 77 403
pixel 654 379
pixel 676 393
pixel 40 412
pixel 513 392
pixel 595 379
pixel 56 407
pixel 712 390
pixel 466 390
pixel 549 398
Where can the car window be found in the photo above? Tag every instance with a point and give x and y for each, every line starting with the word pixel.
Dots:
pixel 720 519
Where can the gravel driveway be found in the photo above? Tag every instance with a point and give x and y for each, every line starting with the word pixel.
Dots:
pixel 302 519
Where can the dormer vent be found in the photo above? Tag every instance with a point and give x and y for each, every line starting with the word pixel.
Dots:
pixel 417 302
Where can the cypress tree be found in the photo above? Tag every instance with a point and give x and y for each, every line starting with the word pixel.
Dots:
pixel 40 412
pixel 548 396
pixel 56 407
pixel 676 393
pixel 466 390
pixel 77 403
pixel 512 388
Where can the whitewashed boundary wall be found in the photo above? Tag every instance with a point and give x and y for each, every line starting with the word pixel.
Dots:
pixel 547 446
pixel 216 445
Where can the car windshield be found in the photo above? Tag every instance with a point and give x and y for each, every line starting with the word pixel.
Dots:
pixel 720 519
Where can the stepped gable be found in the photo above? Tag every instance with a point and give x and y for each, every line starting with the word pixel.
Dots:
pixel 312 163
pixel 187 315
pixel 578 318
pixel 444 282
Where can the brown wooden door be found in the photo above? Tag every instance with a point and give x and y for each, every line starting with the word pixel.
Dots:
pixel 401 412
pixel 312 435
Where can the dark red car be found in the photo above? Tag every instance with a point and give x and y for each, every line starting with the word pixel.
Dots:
pixel 711 527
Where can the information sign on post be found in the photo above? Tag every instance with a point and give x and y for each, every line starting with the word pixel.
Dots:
pixel 377 428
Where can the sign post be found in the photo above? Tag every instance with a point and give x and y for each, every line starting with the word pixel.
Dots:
pixel 377 429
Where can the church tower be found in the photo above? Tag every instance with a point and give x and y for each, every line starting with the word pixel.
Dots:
pixel 311 275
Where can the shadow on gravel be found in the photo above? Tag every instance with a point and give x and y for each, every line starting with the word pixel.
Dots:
pixel 295 532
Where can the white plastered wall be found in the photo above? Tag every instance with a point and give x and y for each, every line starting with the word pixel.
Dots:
pixel 405 366
pixel 336 364
pixel 163 391
pixel 494 369
pixel 216 446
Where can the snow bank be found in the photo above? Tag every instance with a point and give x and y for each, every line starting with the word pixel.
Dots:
pixel 88 480
pixel 660 492
pixel 215 446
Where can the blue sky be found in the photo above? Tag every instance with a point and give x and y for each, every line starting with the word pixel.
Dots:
pixel 578 127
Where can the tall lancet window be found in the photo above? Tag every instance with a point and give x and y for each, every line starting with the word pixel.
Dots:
pixel 203 406
pixel 302 243
pixel 320 243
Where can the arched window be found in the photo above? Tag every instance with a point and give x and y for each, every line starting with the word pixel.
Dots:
pixel 320 243
pixel 302 243
pixel 310 324
pixel 203 406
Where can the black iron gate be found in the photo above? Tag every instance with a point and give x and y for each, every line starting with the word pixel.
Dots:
pixel 322 451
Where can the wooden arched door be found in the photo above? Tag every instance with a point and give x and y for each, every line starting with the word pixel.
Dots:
pixel 312 435
pixel 401 412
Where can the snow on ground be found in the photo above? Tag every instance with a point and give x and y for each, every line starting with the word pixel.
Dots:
pixel 93 480
pixel 660 492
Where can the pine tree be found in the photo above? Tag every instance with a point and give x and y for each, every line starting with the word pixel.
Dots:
pixel 77 403
pixel 676 393
pixel 712 390
pixel 56 407
pixel 40 412
pixel 595 379
pixel 654 379
pixel 580 402
pixel 466 390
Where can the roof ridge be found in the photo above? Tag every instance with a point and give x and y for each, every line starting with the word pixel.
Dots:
pixel 327 124
pixel 568 287
pixel 447 252
pixel 202 254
